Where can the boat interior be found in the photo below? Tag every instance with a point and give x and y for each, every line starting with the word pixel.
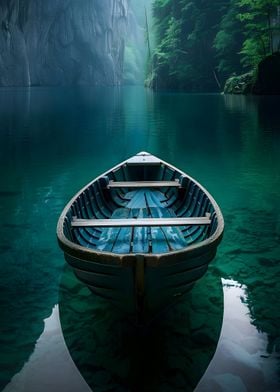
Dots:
pixel 140 207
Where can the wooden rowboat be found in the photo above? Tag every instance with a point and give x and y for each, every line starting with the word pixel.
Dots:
pixel 141 234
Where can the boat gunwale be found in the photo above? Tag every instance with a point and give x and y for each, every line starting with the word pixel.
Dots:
pixel 73 249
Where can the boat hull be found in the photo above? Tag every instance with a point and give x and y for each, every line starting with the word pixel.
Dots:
pixel 141 270
pixel 164 283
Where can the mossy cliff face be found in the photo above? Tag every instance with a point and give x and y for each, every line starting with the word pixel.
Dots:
pixel 266 79
pixel 58 42
pixel 241 84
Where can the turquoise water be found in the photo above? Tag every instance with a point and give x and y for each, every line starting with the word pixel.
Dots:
pixel 53 141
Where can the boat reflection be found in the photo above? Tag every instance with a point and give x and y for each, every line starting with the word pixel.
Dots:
pixel 171 354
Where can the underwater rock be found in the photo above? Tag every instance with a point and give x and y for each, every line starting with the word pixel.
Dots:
pixel 268 262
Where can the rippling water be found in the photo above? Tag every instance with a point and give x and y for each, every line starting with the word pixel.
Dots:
pixel 53 141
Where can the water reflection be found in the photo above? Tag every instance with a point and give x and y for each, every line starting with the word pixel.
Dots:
pixel 170 355
pixel 252 249
pixel 39 374
pixel 241 362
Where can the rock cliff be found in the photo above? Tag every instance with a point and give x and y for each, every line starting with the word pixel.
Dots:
pixel 268 75
pixel 56 42
pixel 265 80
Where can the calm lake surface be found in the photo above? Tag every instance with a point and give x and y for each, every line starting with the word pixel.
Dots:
pixel 55 336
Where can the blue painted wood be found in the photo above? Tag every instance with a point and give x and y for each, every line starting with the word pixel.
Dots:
pixel 185 209
pixel 137 199
pixel 95 206
pixel 123 241
pixel 158 239
pixel 143 203
pixel 180 205
pixel 100 202
pixel 164 239
pixel 81 235
pixel 159 243
pixel 156 198
pixel 141 235
pixel 174 237
pixel 85 239
pixel 109 235
pixel 79 238
pixel 106 202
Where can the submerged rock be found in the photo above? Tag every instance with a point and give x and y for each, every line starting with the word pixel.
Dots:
pixel 62 42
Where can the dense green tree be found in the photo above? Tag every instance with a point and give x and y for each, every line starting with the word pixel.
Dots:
pixel 228 40
pixel 261 23
pixel 184 56
pixel 200 43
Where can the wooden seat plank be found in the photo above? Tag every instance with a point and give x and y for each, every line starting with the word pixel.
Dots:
pixel 205 220
pixel 143 184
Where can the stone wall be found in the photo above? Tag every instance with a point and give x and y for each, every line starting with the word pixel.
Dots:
pixel 62 42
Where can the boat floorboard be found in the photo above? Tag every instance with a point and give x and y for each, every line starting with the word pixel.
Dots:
pixel 144 203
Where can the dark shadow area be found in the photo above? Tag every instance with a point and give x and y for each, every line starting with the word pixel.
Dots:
pixel 112 354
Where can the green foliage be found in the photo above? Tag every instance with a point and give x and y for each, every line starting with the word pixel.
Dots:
pixel 253 51
pixel 260 25
pixel 184 57
pixel 228 41
pixel 200 42
pixel 169 49
pixel 242 84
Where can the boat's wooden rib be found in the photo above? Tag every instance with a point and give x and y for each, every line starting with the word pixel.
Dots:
pixel 141 234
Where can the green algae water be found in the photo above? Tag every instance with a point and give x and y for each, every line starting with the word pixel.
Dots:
pixel 55 335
